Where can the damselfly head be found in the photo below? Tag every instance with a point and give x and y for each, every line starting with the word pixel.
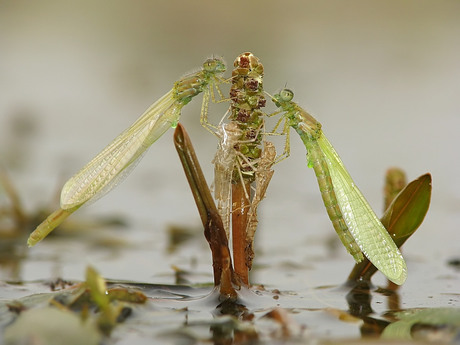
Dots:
pixel 214 65
pixel 284 96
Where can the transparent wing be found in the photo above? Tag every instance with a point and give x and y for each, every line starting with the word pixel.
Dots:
pixel 48 225
pixel 119 158
pixel 222 192
pixel 369 233
pixel 224 164
pixel 263 176
pixel 318 161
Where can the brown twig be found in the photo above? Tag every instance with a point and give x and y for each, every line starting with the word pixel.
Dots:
pixel 240 206
pixel 212 223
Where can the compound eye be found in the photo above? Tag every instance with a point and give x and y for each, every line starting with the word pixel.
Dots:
pixel 286 95
pixel 210 65
pixel 214 65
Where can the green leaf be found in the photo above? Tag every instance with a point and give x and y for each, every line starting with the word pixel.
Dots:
pixel 401 219
pixel 408 209
pixel 97 288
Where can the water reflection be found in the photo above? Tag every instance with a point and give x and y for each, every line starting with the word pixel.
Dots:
pixel 199 314
pixel 359 301
pixel 11 257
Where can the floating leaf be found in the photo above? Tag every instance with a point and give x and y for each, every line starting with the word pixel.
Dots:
pixel 126 295
pixel 440 324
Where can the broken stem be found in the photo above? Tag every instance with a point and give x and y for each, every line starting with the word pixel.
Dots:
pixel 212 223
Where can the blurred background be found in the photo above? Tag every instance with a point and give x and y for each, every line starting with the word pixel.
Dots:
pixel 382 77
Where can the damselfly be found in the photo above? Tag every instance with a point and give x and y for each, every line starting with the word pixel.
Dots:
pixel 357 225
pixel 119 158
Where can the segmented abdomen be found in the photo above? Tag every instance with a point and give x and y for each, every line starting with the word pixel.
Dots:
pixel 316 160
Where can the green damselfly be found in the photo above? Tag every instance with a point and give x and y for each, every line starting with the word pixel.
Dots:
pixel 119 158
pixel 355 222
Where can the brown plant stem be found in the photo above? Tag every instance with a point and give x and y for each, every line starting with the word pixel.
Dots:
pixel 240 205
pixel 247 100
pixel 212 223
pixel 395 181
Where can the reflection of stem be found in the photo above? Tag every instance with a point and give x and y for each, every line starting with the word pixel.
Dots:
pixel 213 227
pixel 230 331
pixel 359 300
pixel 359 304
pixel 394 300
